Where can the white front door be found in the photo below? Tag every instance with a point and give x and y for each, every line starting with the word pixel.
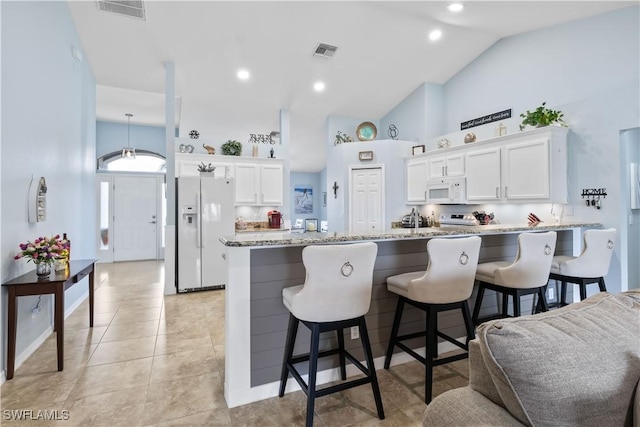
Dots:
pixel 135 218
pixel 366 199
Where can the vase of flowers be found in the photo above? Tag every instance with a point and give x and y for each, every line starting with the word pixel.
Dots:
pixel 43 251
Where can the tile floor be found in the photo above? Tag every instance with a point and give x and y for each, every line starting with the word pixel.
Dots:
pixel 152 360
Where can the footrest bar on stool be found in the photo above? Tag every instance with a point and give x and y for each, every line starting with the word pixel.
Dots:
pixel 343 386
pixel 305 357
pixel 412 353
pixel 437 362
pixel 452 340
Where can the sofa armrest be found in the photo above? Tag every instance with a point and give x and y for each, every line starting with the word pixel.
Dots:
pixel 463 407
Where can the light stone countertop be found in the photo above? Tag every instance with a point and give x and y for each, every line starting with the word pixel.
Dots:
pixel 274 238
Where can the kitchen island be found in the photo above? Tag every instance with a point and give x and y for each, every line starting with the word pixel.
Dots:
pixel 260 265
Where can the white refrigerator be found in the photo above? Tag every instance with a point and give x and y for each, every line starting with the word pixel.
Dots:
pixel 205 211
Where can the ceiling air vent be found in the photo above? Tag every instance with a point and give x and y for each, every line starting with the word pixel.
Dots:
pixel 131 8
pixel 325 50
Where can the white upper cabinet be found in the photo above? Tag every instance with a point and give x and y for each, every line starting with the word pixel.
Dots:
pixel 450 165
pixel 271 179
pixel 259 185
pixel 483 175
pixel 522 167
pixel 526 168
pixel 259 181
pixel 416 180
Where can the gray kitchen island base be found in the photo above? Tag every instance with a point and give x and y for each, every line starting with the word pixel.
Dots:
pixel 256 320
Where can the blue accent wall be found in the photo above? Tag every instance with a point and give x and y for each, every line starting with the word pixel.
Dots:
pixel 48 130
pixel 112 137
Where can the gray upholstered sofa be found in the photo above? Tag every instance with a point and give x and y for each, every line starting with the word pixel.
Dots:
pixel 575 366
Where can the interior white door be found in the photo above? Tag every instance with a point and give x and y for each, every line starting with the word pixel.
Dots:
pixel 367 200
pixel 135 218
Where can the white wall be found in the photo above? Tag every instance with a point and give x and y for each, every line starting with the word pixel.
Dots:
pixel 589 69
pixel 48 129
pixel 419 116
pixel 340 157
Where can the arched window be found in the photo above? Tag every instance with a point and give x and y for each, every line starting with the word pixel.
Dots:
pixel 144 161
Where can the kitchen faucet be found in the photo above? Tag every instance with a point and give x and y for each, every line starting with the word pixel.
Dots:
pixel 416 218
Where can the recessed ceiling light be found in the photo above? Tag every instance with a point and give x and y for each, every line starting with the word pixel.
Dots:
pixel 455 7
pixel 318 86
pixel 435 35
pixel 243 74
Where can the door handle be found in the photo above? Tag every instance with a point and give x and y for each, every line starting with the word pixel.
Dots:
pixel 152 222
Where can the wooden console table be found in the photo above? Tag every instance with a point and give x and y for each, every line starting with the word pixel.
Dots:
pixel 56 283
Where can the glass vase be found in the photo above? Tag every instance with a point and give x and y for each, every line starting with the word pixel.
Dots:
pixel 43 269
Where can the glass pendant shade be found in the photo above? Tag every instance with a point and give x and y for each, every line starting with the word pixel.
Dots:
pixel 128 152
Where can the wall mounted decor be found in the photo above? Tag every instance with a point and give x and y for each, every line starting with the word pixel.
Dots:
pixel 194 134
pixel 303 199
pixel 365 155
pixel 494 117
pixel 366 131
pixel 417 149
pixel 38 200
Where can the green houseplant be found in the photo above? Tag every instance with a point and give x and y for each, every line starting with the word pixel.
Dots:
pixel 232 148
pixel 541 116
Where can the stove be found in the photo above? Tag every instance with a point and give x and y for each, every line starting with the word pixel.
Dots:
pixel 457 219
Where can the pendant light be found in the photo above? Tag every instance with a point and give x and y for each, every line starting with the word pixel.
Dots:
pixel 128 152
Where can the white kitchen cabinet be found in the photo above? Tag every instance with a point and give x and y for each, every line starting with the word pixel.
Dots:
pixel 526 170
pixel 483 175
pixel 259 185
pixel 416 180
pixel 524 167
pixel 450 165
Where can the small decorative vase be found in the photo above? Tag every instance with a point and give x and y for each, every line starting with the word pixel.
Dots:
pixel 43 269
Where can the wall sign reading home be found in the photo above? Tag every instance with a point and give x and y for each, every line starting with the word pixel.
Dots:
pixel 501 115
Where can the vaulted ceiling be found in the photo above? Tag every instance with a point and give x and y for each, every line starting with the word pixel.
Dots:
pixel 384 53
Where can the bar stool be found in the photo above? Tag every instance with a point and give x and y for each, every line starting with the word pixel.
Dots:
pixel 336 294
pixel 445 285
pixel 527 274
pixel 590 267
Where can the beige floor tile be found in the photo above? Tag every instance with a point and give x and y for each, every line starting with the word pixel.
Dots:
pixel 126 331
pixel 172 343
pixel 76 338
pixel 117 408
pixel 81 321
pixel 135 316
pixel 40 389
pixel 118 351
pixel 159 360
pixel 179 398
pixel 112 377
pixel 45 360
pixel 218 417
pixel 142 302
pixel 183 364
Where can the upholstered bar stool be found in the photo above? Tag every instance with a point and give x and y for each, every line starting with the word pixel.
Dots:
pixel 336 294
pixel 590 267
pixel 446 285
pixel 527 274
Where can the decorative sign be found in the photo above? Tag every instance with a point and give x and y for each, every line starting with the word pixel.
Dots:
pixel 260 139
pixel 501 115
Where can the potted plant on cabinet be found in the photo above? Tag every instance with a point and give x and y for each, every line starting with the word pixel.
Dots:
pixel 231 148
pixel 541 116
